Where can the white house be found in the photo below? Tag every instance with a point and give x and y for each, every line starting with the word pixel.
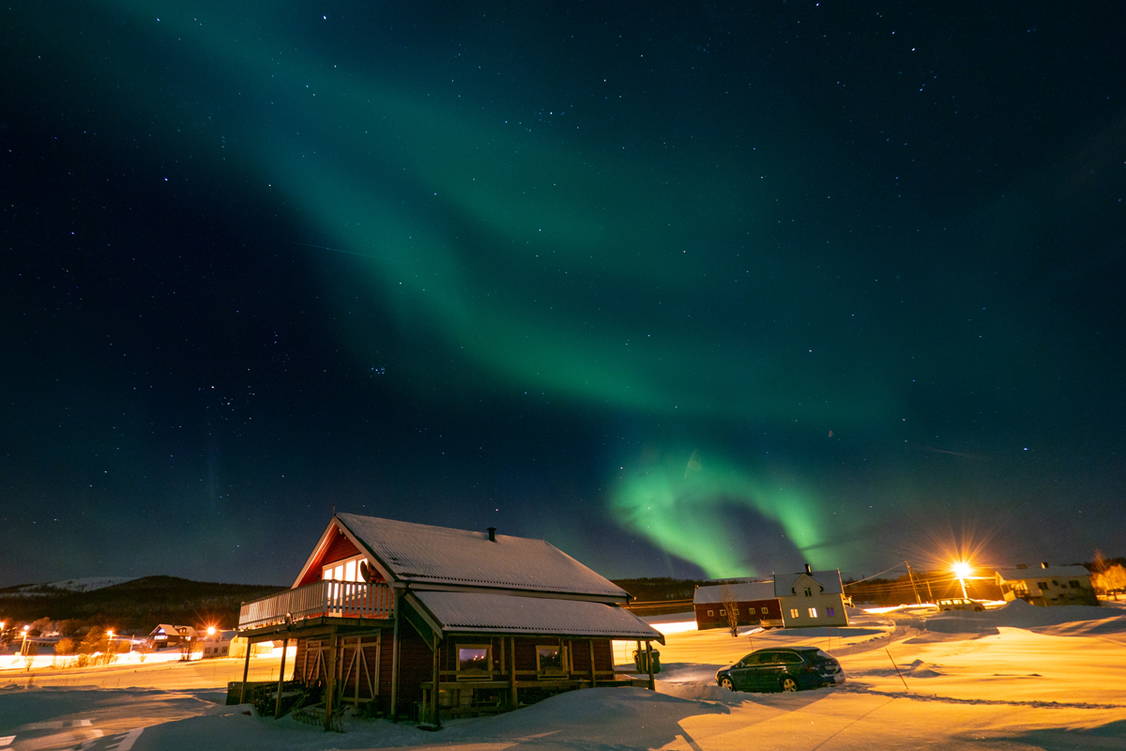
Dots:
pixel 1047 585
pixel 811 598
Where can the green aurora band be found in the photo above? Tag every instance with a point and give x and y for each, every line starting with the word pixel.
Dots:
pixel 545 258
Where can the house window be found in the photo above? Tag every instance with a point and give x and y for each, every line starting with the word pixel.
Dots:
pixel 1043 586
pixel 711 612
pixel 550 660
pixel 830 612
pixel 808 592
pixel 347 570
pixel 474 661
pixel 1074 584
pixel 735 611
pixel 722 612
pixel 763 611
pixel 812 612
pixel 793 612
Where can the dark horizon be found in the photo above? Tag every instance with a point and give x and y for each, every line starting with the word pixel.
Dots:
pixel 698 291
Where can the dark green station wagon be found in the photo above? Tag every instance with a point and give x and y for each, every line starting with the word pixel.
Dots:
pixel 782 669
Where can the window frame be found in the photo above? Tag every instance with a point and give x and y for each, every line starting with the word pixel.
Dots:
pixel 564 664
pixel 463 675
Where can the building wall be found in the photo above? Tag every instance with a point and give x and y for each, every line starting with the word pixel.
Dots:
pixel 1049 591
pixel 750 613
pixel 815 609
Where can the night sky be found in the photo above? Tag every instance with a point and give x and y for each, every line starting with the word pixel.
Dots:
pixel 693 289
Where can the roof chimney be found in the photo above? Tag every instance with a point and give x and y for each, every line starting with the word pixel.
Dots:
pixel 492 534
pixel 1043 564
pixel 808 569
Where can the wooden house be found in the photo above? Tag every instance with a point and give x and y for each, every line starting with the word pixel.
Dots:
pixel 1047 585
pixel 811 598
pixel 750 604
pixel 170 635
pixel 414 620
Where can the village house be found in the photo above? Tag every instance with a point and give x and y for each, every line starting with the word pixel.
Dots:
pixel 1047 585
pixel 418 621
pixel 811 598
pixel 750 603
pixel 169 635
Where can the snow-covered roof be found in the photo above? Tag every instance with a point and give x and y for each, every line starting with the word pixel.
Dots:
pixel 830 579
pixel 515 614
pixel 737 591
pixel 424 553
pixel 173 630
pixel 1053 572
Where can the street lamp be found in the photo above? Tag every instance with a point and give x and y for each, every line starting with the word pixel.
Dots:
pixel 962 570
pixel 109 643
pixel 23 646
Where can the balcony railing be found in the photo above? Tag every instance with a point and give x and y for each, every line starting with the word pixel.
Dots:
pixel 323 599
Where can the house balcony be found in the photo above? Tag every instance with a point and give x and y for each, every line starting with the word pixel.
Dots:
pixel 318 603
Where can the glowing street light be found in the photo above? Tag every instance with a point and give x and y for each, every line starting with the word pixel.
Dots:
pixel 210 631
pixel 962 570
pixel 23 645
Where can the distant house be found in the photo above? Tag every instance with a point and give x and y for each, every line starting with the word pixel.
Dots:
pixel 417 620
pixel 811 598
pixel 752 603
pixel 1047 585
pixel 170 635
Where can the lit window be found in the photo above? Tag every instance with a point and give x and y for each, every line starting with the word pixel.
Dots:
pixel 473 661
pixel 711 612
pixel 723 612
pixel 812 612
pixel 830 612
pixel 793 612
pixel 763 611
pixel 350 571
pixel 549 660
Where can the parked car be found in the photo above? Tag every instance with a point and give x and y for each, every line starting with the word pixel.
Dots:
pixel 959 603
pixel 782 669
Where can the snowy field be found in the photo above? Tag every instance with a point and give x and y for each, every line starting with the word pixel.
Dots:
pixel 1015 678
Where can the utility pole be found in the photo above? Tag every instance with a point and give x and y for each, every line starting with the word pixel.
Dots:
pixel 911 576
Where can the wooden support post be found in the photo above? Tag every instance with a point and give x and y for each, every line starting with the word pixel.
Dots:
pixel 245 671
pixel 281 678
pixel 330 673
pixel 395 664
pixel 432 710
pixel 378 660
pixel 513 699
pixel 649 663
pixel 360 665
pixel 593 674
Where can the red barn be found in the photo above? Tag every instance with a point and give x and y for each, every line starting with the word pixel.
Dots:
pixel 415 620
pixel 751 603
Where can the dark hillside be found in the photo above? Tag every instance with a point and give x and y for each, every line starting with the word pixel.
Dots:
pixel 136 605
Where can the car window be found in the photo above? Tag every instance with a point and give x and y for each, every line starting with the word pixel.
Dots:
pixel 789 657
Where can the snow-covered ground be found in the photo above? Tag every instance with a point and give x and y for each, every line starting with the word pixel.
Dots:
pixel 1014 678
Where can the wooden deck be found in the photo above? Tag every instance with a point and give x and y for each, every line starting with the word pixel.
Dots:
pixel 317 602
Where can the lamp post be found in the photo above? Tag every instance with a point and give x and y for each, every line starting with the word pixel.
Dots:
pixel 109 644
pixel 962 570
pixel 23 645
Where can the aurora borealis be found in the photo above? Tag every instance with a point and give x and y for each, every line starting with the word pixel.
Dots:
pixel 709 290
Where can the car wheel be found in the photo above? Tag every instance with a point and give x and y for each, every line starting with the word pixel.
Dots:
pixel 788 684
pixel 727 684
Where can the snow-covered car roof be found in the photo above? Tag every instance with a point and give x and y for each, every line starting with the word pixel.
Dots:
pixel 425 553
pixel 514 614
